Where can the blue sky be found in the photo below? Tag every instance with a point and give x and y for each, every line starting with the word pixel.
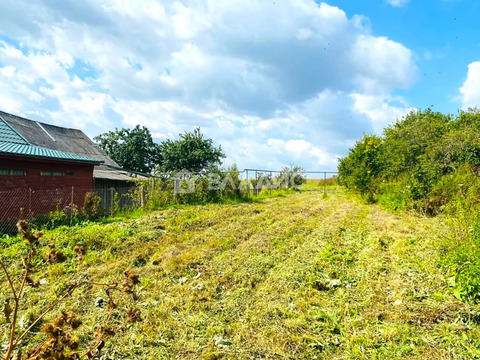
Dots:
pixel 442 34
pixel 273 82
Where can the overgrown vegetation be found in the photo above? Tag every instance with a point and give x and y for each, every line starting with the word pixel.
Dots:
pixel 145 195
pixel 214 186
pixel 428 162
pixel 26 274
pixel 421 162
pixel 71 215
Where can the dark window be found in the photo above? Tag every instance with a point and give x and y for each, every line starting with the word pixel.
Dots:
pixel 13 172
pixel 52 173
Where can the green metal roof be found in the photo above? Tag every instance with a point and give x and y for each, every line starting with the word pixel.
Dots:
pixel 12 143
pixel 9 134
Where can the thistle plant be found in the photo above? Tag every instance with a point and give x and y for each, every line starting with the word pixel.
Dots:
pixel 61 341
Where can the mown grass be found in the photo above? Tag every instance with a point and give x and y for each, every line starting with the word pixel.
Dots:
pixel 300 276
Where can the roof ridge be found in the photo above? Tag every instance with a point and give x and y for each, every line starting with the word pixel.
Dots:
pixel 36 121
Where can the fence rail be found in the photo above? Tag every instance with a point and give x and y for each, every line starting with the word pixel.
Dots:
pixel 38 205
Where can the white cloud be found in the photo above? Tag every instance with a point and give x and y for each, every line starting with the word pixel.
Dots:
pixel 470 90
pixel 301 149
pixel 397 3
pixel 378 70
pixel 272 82
pixel 381 110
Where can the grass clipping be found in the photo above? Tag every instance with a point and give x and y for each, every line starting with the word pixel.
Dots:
pixel 301 276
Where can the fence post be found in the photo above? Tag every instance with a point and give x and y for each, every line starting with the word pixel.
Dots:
pixel 325 184
pixel 248 185
pixel 256 183
pixel 142 197
pixel 111 198
pixel 30 213
pixel 271 182
pixel 176 188
pixel 153 197
pixel 71 207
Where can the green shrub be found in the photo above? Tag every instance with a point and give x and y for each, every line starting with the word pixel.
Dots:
pixel 91 206
pixel 57 218
pixel 231 183
pixel 264 181
pixel 394 196
pixel 213 186
pixel 464 278
pixel 462 261
pixel 157 193
pixel 69 215
pixel 361 169
pixel 115 208
pixel 427 151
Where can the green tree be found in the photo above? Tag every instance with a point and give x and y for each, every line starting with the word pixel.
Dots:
pixel 360 170
pixel 191 152
pixel 132 149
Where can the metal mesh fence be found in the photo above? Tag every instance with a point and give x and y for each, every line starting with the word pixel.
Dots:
pixel 258 180
pixel 37 204
pixel 41 205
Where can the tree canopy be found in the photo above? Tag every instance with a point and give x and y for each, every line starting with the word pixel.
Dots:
pixel 132 149
pixel 190 152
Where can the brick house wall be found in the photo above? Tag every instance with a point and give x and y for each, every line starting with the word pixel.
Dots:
pixel 38 186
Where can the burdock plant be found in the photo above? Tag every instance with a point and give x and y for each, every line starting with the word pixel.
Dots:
pixel 61 342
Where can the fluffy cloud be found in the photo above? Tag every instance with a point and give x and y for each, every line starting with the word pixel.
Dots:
pixel 380 110
pixel 274 83
pixel 470 90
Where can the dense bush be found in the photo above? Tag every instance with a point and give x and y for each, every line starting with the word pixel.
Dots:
pixel 361 169
pixel 413 162
pixel 91 206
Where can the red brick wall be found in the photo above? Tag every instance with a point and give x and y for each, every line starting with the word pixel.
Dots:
pixel 33 194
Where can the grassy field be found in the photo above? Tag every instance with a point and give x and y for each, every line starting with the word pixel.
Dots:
pixel 300 276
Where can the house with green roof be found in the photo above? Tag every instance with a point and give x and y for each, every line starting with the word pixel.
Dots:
pixel 35 180
pixel 110 180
